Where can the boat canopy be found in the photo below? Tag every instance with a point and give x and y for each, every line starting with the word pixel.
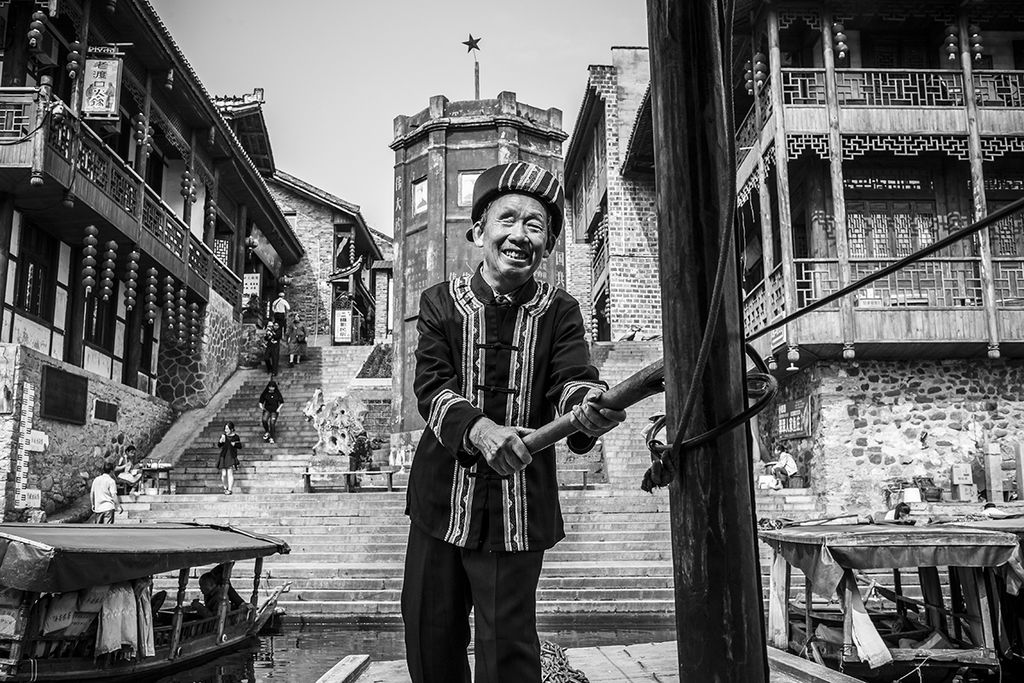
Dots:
pixel 58 558
pixel 822 552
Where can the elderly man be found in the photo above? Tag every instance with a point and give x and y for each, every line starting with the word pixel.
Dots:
pixel 499 354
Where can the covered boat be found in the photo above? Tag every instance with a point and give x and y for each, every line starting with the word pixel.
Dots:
pixel 934 618
pixel 70 595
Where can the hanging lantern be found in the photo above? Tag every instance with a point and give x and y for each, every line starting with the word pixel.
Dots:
pixel 107 274
pixel 35 31
pixel 793 355
pixel 182 315
pixel 89 258
pixel 131 284
pixel 952 44
pixel 839 40
pixel 193 325
pixel 68 200
pixel 186 184
pixel 211 210
pixel 760 70
pixel 169 321
pixel 748 77
pixel 74 63
pixel 352 249
pixel 143 133
pixel 151 295
pixel 111 6
pixel 974 31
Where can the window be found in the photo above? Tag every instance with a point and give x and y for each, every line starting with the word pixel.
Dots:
pixel 467 181
pixel 36 278
pixel 419 196
pixel 100 318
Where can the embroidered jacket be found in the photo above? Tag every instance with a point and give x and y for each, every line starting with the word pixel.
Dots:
pixel 519 362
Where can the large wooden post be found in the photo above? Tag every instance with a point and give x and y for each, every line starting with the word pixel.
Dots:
pixel 835 154
pixel 719 615
pixel 980 202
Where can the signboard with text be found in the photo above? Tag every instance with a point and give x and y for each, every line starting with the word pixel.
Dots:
pixel 794 419
pixel 252 286
pixel 101 89
pixel 343 326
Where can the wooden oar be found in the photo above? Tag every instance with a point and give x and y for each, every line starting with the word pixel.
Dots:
pixel 638 386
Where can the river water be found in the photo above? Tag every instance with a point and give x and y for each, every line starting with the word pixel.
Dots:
pixel 303 654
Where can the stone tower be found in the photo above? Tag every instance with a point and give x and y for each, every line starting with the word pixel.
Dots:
pixel 439 153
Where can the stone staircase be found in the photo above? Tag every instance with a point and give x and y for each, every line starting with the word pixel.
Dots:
pixel 278 467
pixel 347 549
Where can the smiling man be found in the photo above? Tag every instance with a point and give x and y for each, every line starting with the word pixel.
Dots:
pixel 498 355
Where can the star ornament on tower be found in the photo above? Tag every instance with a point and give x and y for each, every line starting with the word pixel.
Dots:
pixel 472 43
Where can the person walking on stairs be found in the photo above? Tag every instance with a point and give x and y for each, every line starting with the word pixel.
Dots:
pixel 103 496
pixel 270 405
pixel 280 308
pixel 227 462
pixel 499 354
pixel 296 339
pixel 272 355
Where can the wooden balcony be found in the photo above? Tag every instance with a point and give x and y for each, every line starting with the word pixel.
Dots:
pixel 107 186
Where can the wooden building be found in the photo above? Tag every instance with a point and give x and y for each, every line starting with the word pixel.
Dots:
pixel 128 207
pixel 439 153
pixel 865 131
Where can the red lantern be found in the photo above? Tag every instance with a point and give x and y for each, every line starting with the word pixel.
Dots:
pixel 151 295
pixel 74 63
pixel 107 275
pixel 35 31
pixel 131 284
pixel 89 258
pixel 169 321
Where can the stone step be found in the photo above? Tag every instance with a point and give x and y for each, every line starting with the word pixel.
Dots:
pixel 372 608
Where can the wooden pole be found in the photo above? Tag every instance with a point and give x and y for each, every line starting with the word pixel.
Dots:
pixel 980 202
pixel 257 570
pixel 719 615
pixel 835 154
pixel 225 604
pixel 178 614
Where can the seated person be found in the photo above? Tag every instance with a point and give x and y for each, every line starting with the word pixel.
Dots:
pixel 784 466
pixel 210 584
pixel 898 515
pixel 127 473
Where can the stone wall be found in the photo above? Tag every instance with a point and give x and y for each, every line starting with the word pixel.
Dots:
pixel 873 422
pixel 187 378
pixel 578 276
pixel 64 470
pixel 309 293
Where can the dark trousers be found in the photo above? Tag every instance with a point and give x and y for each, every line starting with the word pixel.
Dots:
pixel 270 423
pixel 273 357
pixel 102 517
pixel 442 582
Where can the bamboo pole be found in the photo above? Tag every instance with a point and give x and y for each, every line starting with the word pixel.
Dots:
pixel 719 615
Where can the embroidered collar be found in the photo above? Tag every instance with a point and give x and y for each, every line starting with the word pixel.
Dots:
pixel 483 292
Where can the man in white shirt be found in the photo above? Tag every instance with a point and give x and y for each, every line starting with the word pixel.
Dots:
pixel 784 466
pixel 280 309
pixel 104 496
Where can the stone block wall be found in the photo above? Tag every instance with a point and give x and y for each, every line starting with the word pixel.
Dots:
pixel 874 421
pixel 187 378
pixel 64 470
pixel 578 276
pixel 382 321
pixel 309 293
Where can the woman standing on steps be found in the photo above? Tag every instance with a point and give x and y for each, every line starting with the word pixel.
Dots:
pixel 227 461
pixel 270 404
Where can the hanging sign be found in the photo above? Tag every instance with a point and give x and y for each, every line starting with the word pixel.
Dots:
pixel 252 286
pixel 794 419
pixel 343 325
pixel 101 88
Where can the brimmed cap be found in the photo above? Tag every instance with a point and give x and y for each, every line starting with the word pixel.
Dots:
pixel 522 178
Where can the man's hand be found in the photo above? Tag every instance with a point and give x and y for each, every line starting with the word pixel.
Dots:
pixel 593 420
pixel 502 447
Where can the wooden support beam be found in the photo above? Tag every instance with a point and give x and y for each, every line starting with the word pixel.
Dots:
pixel 980 202
pixel 715 559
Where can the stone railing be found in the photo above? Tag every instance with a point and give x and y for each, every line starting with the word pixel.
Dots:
pixel 876 87
pixel 999 89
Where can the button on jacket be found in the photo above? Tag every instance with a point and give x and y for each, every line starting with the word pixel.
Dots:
pixel 520 360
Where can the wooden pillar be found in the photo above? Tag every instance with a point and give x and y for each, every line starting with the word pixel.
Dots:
pixel 241 228
pixel 225 603
pixel 186 205
pixel 16 54
pixel 6 227
pixel 75 336
pixel 133 338
pixel 715 559
pixel 764 197
pixel 141 158
pixel 835 156
pixel 257 571
pixel 210 229
pixel 781 174
pixel 41 129
pixel 178 615
pixel 978 189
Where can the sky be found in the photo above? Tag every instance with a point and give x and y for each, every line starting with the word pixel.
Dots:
pixel 337 72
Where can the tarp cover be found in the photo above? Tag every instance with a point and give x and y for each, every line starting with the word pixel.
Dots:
pixel 823 551
pixel 64 557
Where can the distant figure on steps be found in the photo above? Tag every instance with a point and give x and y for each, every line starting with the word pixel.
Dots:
pixel 270 405
pixel 227 461
pixel 296 340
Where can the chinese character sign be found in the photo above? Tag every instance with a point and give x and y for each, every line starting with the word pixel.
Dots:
pixel 102 88
pixel 794 419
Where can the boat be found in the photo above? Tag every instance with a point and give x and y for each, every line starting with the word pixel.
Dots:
pixel 896 601
pixel 71 575
pixel 1010 599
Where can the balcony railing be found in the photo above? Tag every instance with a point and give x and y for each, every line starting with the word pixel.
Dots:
pixel 999 89
pixel 159 220
pixel 97 163
pixel 746 136
pixel 17 113
pixel 762 306
pixel 875 87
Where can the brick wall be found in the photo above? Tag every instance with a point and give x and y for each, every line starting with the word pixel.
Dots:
pixel 309 293
pixel 382 321
pixel 868 420
pixel 578 277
